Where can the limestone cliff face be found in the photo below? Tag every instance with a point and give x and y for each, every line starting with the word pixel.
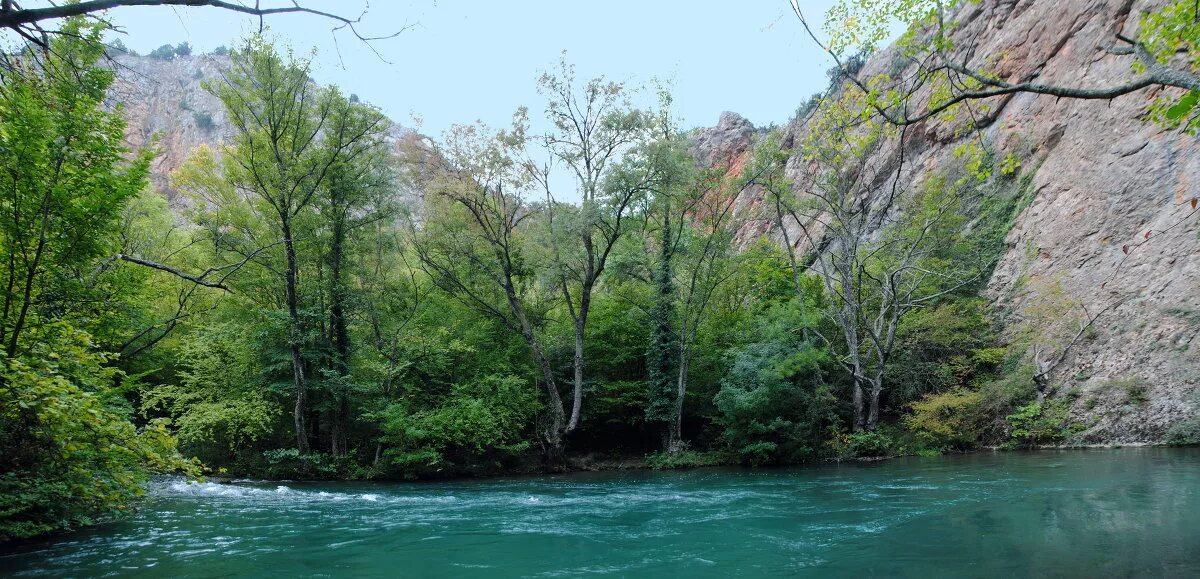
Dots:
pixel 165 105
pixel 1100 176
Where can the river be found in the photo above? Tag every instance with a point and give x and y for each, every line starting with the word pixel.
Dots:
pixel 1079 513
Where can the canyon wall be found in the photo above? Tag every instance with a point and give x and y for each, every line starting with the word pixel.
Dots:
pixel 1099 174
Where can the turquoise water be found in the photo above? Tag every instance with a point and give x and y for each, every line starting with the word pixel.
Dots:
pixel 1084 513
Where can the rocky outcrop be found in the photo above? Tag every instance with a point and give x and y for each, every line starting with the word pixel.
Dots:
pixel 166 106
pixel 1101 175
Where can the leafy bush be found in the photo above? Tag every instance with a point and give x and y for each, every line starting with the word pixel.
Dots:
pixel 204 120
pixel 169 52
pixel 1184 433
pixel 686 459
pixel 773 406
pixel 946 421
pixel 940 349
pixel 68 452
pixel 481 419
pixel 219 404
pixel 865 444
pixel 289 464
pixel 1034 424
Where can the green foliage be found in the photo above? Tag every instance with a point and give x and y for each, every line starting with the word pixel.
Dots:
pixel 686 459
pixel 870 444
pixel 940 349
pixel 204 120
pixel 1184 433
pixel 1036 423
pixel 218 404
pixel 662 358
pixel 773 404
pixel 70 453
pixel 947 420
pixel 169 52
pixel 481 420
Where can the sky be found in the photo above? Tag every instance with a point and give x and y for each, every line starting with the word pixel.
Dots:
pixel 458 62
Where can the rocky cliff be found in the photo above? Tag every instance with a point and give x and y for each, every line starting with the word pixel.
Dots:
pixel 1098 176
pixel 166 106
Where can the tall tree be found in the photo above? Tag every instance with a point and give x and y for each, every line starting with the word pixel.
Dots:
pixel 290 137
pixel 879 248
pixel 594 126
pixel 67 450
pixel 473 245
pixel 356 195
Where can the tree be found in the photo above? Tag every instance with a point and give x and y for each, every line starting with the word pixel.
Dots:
pixel 355 196
pixel 68 450
pixel 694 207
pixel 662 355
pixel 591 133
pixel 473 247
pixel 291 139
pixel 880 250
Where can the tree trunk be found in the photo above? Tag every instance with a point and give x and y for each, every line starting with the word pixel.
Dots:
pixel 340 337
pixel 859 421
pixel 580 329
pixel 555 453
pixel 675 426
pixel 301 407
pixel 873 409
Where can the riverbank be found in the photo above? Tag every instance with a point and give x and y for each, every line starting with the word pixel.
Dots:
pixel 689 460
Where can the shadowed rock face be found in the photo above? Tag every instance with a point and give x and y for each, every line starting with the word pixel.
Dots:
pixel 1101 175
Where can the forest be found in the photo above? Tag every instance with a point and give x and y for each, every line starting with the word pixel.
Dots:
pixel 337 299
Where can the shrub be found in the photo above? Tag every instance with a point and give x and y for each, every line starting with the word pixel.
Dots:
pixel 1185 433
pixel 686 459
pixel 204 120
pixel 871 444
pixel 1134 387
pixel 68 452
pixel 773 407
pixel 482 419
pixel 289 464
pixel 164 52
pixel 1034 424
pixel 941 349
pixel 218 405
pixel 168 52
pixel 946 421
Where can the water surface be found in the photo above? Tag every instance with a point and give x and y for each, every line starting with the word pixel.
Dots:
pixel 1083 513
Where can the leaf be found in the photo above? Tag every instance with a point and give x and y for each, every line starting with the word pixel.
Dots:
pixel 1125 249
pixel 1184 106
pixel 1193 202
pixel 1147 236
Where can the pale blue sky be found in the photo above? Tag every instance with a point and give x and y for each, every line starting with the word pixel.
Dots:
pixel 469 60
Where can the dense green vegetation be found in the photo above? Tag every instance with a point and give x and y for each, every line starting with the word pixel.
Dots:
pixel 302 320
